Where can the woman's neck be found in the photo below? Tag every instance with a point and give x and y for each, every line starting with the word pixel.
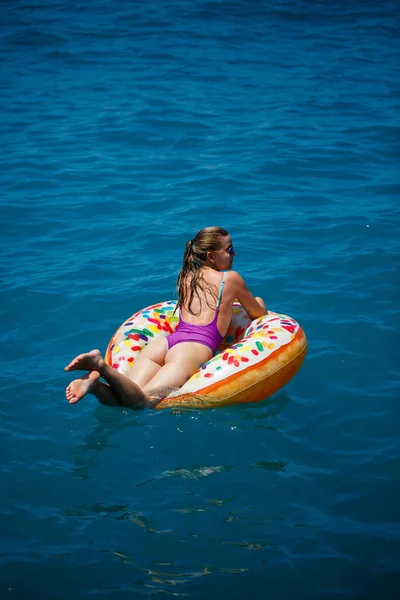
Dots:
pixel 208 266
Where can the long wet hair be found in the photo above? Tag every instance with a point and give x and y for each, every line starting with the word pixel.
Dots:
pixel 195 257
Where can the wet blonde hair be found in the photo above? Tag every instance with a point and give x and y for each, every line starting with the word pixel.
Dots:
pixel 206 240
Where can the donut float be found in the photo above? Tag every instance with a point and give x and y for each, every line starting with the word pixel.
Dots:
pixel 255 359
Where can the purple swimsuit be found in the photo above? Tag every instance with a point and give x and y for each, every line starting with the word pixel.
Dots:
pixel 208 335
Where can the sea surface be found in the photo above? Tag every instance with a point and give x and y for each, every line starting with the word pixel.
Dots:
pixel 125 128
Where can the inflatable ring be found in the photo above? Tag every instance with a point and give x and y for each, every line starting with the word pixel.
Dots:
pixel 255 360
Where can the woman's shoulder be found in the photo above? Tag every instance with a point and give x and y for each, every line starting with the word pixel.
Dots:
pixel 233 277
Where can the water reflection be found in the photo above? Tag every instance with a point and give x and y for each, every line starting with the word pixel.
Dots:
pixel 110 421
pixel 107 422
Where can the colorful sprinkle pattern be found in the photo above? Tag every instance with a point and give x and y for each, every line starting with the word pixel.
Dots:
pixel 245 344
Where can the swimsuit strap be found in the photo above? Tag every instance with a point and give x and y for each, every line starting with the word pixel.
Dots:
pixel 221 287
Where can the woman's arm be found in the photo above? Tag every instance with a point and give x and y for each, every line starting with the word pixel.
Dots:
pixel 254 306
pixel 262 303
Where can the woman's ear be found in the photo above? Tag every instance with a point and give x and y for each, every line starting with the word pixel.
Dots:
pixel 210 257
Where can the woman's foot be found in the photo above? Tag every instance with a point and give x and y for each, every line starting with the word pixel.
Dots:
pixel 90 361
pixel 78 388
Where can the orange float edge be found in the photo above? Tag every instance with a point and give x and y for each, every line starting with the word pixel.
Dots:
pixel 258 382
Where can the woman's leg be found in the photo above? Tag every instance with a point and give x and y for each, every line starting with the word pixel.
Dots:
pixel 124 390
pixel 91 384
pixel 181 362
pixel 148 362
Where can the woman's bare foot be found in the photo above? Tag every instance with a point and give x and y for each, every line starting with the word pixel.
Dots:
pixel 78 388
pixel 90 361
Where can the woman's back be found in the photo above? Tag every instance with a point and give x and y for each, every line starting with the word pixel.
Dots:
pixel 214 299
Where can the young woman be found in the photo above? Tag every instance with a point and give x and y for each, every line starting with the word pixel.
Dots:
pixel 206 293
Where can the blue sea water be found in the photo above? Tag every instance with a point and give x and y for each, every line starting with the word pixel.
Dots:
pixel 125 128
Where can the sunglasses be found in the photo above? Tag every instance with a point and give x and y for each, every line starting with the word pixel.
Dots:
pixel 230 250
